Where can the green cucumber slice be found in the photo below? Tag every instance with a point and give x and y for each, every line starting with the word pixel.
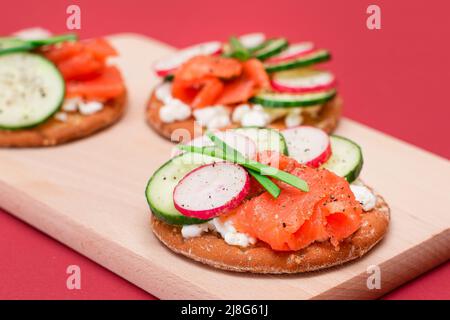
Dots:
pixel 299 62
pixel 163 182
pixel 265 138
pixel 9 45
pixel 12 44
pixel 346 159
pixel 31 90
pixel 286 100
pixel 271 47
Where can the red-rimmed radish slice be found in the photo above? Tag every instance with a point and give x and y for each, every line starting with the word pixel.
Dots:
pixel 252 40
pixel 303 80
pixel 211 190
pixel 308 145
pixel 244 145
pixel 293 51
pixel 168 65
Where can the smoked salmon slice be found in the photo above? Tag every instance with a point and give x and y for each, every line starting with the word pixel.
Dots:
pixel 200 67
pixel 241 89
pixel 254 69
pixel 236 91
pixel 109 84
pixel 296 219
pixel 208 80
pixel 99 48
pixel 212 88
pixel 80 66
pixel 82 59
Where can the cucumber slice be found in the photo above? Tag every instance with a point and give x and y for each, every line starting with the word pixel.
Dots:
pixel 163 182
pixel 11 44
pixel 31 90
pixel 299 62
pixel 271 48
pixel 285 100
pixel 8 45
pixel 265 138
pixel 346 159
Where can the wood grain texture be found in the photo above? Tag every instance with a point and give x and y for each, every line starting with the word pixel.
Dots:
pixel 90 195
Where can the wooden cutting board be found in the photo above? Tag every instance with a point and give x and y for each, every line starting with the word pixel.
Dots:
pixel 90 196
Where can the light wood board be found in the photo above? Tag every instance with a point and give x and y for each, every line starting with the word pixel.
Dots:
pixel 90 196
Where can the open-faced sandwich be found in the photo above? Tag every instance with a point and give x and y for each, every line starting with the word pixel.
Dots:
pixel 56 89
pixel 249 81
pixel 267 201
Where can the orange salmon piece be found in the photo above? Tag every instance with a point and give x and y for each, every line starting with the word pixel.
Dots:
pixel 80 66
pixel 296 219
pixel 211 89
pixel 200 67
pixel 109 84
pixel 254 69
pixel 236 91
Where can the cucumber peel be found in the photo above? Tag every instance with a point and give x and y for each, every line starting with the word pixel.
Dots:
pixel 286 100
pixel 346 159
pixel 299 62
pixel 34 88
pixel 14 44
pixel 270 48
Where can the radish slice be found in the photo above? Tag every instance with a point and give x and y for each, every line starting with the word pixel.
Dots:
pixel 246 146
pixel 168 65
pixel 308 145
pixel 293 51
pixel 211 190
pixel 303 80
pixel 252 40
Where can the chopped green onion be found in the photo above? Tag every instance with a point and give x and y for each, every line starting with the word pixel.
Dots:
pixel 247 163
pixel 238 51
pixel 268 184
pixel 53 40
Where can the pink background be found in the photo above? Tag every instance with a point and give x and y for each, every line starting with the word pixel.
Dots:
pixel 395 79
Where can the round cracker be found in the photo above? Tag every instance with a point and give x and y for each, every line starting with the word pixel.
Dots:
pixel 54 132
pixel 327 120
pixel 212 250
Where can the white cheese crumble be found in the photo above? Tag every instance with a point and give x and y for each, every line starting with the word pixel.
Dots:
pixel 294 118
pixel 364 196
pixel 256 115
pixel 213 117
pixel 173 109
pixel 164 92
pixel 61 116
pixel 194 230
pixel 225 229
pixel 71 104
pixel 239 112
pixel 90 107
pixel 85 108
